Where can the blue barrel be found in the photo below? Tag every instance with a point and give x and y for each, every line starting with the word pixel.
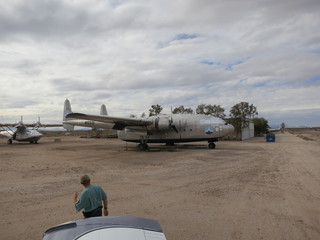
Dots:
pixel 270 137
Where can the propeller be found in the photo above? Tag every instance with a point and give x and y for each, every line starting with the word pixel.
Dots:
pixel 172 125
pixel 38 124
pixel 162 123
pixel 20 123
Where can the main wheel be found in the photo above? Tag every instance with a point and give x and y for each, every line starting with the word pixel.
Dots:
pixel 211 145
pixel 9 141
pixel 143 147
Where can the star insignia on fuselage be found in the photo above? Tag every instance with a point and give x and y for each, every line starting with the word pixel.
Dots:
pixel 209 130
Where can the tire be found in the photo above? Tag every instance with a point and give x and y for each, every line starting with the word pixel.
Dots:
pixel 211 145
pixel 142 147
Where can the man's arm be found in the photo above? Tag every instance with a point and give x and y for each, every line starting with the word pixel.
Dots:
pixel 105 206
pixel 80 201
pixel 75 197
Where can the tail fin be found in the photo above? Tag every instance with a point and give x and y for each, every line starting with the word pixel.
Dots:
pixel 103 110
pixel 66 111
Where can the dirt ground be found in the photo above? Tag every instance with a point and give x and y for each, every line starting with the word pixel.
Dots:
pixel 240 190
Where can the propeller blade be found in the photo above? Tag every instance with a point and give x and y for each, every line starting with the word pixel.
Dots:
pixel 174 128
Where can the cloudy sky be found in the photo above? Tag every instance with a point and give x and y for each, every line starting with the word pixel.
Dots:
pixel 129 55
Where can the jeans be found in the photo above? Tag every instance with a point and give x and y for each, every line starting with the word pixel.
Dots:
pixel 94 213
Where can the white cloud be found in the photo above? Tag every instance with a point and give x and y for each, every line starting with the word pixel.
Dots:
pixel 132 54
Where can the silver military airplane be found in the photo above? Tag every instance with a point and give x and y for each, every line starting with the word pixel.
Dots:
pixel 22 132
pixel 164 128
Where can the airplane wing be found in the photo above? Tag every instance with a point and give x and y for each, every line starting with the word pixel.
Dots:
pixel 119 122
pixel 8 124
pixel 18 128
pixel 46 125
pixel 23 125
pixel 15 125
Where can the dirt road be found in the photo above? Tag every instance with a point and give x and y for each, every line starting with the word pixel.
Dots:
pixel 240 190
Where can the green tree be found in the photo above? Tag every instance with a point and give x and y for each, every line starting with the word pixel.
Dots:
pixel 201 109
pixel 241 112
pixel 260 125
pixel 214 110
pixel 155 110
pixel 181 109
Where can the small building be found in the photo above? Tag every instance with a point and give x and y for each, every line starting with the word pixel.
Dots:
pixel 247 131
pixel 244 132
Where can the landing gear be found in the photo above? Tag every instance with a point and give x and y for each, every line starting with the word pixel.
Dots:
pixel 35 142
pixel 143 147
pixel 211 145
pixel 9 141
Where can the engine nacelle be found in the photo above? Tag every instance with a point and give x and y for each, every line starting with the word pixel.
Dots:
pixel 162 123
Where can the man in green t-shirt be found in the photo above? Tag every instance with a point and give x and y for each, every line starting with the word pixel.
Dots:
pixel 90 199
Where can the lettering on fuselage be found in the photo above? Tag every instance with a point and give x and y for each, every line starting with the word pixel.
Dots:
pixel 89 122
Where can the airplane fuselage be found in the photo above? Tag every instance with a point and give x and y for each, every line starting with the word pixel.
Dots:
pixel 22 136
pixel 178 128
